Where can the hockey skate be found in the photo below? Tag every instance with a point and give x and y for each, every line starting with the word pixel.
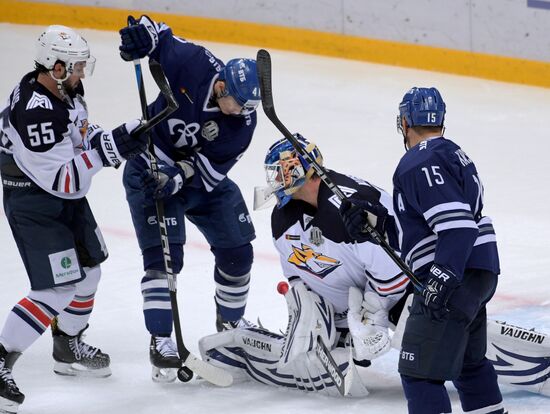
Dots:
pixel 75 357
pixel 223 325
pixel 10 396
pixel 164 358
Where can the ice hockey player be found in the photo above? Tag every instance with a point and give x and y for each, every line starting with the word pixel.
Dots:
pixel 196 148
pixel 317 254
pixel 48 156
pixel 451 247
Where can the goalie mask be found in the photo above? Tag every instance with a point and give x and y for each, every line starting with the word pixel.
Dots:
pixel 286 170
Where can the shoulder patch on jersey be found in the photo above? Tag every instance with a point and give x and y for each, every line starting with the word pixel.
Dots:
pixel 210 130
pixel 316 236
pixel 309 260
pixel 39 101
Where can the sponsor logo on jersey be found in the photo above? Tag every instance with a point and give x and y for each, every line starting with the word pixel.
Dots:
pixel 39 101
pixel 316 236
pixel 309 260
pixel 210 130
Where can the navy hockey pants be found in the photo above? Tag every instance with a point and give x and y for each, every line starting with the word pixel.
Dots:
pixel 56 237
pixel 451 348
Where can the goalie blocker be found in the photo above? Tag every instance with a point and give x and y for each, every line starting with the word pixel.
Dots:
pixel 521 357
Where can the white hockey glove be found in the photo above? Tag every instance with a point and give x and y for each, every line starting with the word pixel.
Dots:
pixel 368 324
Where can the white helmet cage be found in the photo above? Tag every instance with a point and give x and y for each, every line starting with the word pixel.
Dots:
pixel 61 43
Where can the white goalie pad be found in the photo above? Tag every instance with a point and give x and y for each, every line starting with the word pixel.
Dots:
pixel 293 360
pixel 521 357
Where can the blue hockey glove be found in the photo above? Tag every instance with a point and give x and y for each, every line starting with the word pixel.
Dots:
pixel 356 213
pixel 171 179
pixel 439 288
pixel 117 145
pixel 138 39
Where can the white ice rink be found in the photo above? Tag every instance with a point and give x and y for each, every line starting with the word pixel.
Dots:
pixel 348 108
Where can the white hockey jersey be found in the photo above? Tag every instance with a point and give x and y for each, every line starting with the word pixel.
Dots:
pixel 47 138
pixel 314 246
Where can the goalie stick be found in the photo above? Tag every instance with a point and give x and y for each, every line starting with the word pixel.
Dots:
pixel 190 362
pixel 263 62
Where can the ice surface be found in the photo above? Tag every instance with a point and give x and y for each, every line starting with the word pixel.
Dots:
pixel 348 108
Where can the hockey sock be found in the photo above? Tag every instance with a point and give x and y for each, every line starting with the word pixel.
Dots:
pixel 478 389
pixel 232 277
pixel 75 316
pixel 157 309
pixel 26 322
pixel 425 396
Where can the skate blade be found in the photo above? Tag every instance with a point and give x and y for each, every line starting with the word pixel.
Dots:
pixel 8 406
pixel 77 370
pixel 164 375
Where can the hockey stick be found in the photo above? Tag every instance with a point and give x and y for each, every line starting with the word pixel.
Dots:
pixel 330 365
pixel 190 362
pixel 263 62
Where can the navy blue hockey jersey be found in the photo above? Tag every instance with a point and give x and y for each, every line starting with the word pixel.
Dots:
pixel 198 130
pixel 438 199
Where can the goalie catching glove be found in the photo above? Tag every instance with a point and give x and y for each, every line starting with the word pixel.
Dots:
pixel 368 325
pixel 117 145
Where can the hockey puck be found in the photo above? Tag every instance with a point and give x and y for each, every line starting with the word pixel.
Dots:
pixel 185 374
pixel 282 287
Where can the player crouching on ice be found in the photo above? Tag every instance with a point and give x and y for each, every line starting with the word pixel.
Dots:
pixel 48 156
pixel 343 295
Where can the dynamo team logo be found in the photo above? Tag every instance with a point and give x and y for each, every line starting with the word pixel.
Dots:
pixel 309 260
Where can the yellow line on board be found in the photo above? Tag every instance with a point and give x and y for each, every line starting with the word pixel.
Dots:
pixel 485 66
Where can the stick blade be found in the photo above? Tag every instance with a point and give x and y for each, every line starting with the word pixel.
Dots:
pixel 263 65
pixel 208 372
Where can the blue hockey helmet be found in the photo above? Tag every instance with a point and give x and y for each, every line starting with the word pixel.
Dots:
pixel 241 83
pixel 421 107
pixel 286 170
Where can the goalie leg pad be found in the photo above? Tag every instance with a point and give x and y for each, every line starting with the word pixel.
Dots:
pixel 521 357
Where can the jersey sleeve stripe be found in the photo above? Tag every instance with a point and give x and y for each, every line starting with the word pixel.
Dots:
pixel 458 224
pixel 449 216
pixel 87 161
pixel 395 287
pixel 446 207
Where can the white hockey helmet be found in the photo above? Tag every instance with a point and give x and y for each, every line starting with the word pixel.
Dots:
pixel 61 43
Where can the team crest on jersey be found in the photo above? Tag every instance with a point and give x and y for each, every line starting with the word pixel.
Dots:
pixel 316 236
pixel 309 260
pixel 39 101
pixel 210 130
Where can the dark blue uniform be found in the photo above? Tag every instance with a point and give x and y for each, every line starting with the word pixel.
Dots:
pixel 438 199
pixel 200 133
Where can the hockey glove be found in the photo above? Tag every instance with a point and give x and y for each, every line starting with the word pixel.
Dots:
pixel 170 180
pixel 356 213
pixel 138 39
pixel 117 145
pixel 368 325
pixel 439 288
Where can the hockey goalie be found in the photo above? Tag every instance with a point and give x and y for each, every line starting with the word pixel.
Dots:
pixel 297 359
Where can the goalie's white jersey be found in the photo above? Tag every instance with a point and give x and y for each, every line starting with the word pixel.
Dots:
pixel 47 138
pixel 314 246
